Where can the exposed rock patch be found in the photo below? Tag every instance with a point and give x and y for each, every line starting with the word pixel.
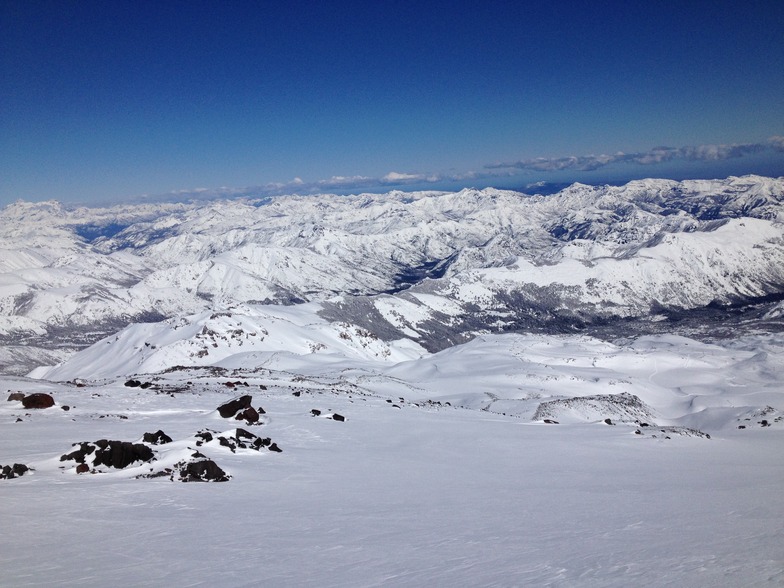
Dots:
pixel 9 472
pixel 232 407
pixel 241 410
pixel 622 407
pixel 656 432
pixel 761 417
pixel 201 469
pixel 237 439
pixel 113 454
pixel 37 400
pixel 157 438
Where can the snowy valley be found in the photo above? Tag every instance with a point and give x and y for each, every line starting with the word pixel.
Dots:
pixel 479 388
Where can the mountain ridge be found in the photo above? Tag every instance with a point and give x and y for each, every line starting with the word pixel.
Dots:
pixel 465 263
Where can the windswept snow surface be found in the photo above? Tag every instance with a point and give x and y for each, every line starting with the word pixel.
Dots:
pixel 443 472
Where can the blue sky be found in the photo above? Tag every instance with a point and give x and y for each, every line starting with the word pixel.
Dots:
pixel 105 101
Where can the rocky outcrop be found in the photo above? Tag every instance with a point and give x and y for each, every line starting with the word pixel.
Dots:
pixel 113 454
pixel 157 438
pixel 9 472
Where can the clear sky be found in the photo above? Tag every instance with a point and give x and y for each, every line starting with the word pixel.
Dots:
pixel 107 100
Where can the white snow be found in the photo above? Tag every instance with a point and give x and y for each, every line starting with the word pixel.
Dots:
pixel 410 490
pixel 510 460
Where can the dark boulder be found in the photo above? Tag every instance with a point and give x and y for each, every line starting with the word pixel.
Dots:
pixel 240 434
pixel 204 436
pixel 249 414
pixel 38 400
pixel 204 470
pixel 133 383
pixel 121 454
pixel 82 468
pixel 16 396
pixel 232 407
pixel 157 438
pixel 338 417
pixel 315 412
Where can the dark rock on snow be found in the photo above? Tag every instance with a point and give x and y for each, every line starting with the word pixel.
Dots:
pixel 9 472
pixel 232 407
pixel 38 400
pixel 203 470
pixel 157 438
pixel 250 415
pixel 115 454
pixel 243 439
pixel 204 436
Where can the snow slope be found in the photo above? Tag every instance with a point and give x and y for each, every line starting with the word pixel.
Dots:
pixel 441 473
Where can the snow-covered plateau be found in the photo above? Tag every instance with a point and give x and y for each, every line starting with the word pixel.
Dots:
pixel 480 388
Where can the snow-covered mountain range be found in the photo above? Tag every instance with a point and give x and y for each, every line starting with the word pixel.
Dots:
pixel 473 388
pixel 434 267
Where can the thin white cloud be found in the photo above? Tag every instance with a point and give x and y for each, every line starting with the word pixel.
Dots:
pixel 393 179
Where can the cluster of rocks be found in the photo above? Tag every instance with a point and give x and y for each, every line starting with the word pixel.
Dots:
pixel 240 439
pixel 235 384
pixel 113 454
pixel 755 418
pixel 9 472
pixel 138 384
pixel 623 407
pixel 658 432
pixel 96 456
pixel 198 468
pixel 334 416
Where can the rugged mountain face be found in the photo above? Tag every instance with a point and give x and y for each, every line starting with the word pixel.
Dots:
pixel 433 267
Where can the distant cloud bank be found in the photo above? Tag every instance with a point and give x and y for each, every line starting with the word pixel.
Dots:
pixel 395 179
pixel 653 156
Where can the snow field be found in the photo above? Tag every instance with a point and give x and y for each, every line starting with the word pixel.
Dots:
pixel 410 490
